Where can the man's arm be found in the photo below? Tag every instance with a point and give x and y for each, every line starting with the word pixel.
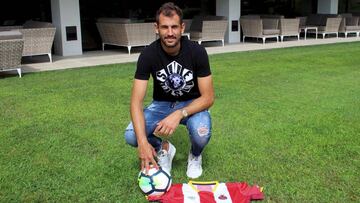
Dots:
pixel 145 151
pixel 168 125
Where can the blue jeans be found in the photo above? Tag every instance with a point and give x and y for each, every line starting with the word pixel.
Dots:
pixel 198 125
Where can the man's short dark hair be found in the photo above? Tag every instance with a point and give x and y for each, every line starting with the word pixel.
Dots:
pixel 168 9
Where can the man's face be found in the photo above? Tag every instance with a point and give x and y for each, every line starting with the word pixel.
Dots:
pixel 170 30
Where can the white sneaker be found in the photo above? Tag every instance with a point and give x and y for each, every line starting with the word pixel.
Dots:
pixel 165 158
pixel 194 168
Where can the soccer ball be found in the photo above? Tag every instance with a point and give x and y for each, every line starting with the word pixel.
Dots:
pixel 156 183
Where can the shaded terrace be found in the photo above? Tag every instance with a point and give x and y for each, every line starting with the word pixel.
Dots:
pixel 94 58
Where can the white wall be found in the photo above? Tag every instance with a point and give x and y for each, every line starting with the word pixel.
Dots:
pixel 66 13
pixel 231 10
pixel 328 6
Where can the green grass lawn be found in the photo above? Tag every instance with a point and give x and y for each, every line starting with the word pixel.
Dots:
pixel 286 119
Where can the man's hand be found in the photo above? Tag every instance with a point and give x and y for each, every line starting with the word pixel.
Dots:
pixel 146 156
pixel 168 125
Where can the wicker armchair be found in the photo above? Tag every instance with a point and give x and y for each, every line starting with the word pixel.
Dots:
pixel 254 28
pixel 332 27
pixel 349 25
pixel 208 28
pixel 212 30
pixel 11 47
pixel 38 41
pixel 126 34
pixel 38 38
pixel 289 27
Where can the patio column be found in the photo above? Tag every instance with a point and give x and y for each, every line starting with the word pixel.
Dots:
pixel 66 19
pixel 231 10
pixel 328 6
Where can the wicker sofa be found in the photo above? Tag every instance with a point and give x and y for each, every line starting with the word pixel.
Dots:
pixel 121 32
pixel 11 47
pixel 38 37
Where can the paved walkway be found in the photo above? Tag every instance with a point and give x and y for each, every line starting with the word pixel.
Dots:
pixel 93 58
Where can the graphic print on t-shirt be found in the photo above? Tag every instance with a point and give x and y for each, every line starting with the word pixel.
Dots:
pixel 175 79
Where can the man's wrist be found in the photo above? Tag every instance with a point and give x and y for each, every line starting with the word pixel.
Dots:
pixel 142 142
pixel 184 113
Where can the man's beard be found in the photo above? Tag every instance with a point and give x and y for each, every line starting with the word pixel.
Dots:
pixel 168 45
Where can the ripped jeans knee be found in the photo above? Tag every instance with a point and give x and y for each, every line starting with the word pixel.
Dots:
pixel 199 126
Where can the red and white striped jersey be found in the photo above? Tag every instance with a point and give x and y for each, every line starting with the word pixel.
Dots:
pixel 210 192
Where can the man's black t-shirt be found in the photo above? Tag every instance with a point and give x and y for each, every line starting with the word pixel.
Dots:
pixel 175 77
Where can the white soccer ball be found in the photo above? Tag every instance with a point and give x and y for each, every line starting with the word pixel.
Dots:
pixel 156 183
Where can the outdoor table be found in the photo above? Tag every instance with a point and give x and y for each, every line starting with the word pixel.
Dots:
pixel 309 28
